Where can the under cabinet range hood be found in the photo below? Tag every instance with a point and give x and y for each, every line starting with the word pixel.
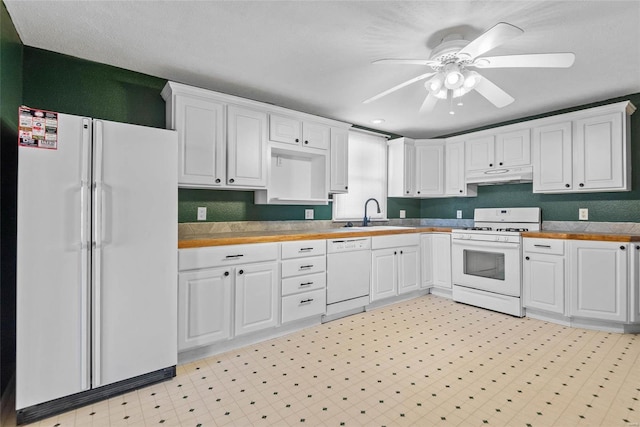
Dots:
pixel 508 175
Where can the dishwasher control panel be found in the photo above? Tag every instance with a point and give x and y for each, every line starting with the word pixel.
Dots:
pixel 345 245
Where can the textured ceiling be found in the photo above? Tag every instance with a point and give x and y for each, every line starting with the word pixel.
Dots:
pixel 315 56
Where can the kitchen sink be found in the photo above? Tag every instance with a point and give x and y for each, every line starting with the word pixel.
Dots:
pixel 375 228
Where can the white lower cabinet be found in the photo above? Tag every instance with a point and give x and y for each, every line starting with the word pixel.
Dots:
pixel 441 260
pixel 543 275
pixel 598 280
pixel 226 291
pixel 634 293
pixel 395 265
pixel 256 305
pixel 426 255
pixel 304 279
pixel 204 307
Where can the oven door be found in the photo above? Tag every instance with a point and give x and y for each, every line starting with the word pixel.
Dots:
pixel 488 266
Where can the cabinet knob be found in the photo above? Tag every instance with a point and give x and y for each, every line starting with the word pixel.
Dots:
pixel 490 165
pixel 401 252
pixel 581 184
pixel 527 258
pixel 346 187
pixel 623 247
pixel 231 180
pixel 241 272
pixel 500 163
pixel 218 181
pixel 226 273
pixel 407 191
pixel 418 192
pixel 306 142
pixel 297 140
pixel 395 252
pixel 638 247
pixel 567 185
pixel 461 191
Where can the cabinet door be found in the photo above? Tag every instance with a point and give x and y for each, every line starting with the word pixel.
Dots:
pixel 634 285
pixel 384 274
pixel 426 254
pixel 316 135
pixel 339 153
pixel 543 282
pixel 256 297
pixel 552 158
pixel 454 170
pixel 598 285
pixel 201 144
pixel 409 169
pixel 480 153
pixel 247 147
pixel 284 129
pixel 204 307
pixel 513 148
pixel 442 261
pixel 408 269
pixel 429 169
pixel 599 155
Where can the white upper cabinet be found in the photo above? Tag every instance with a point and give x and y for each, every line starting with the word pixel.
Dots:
pixel 339 162
pixel 455 184
pixel 247 147
pixel 289 130
pixel 201 134
pixel 401 167
pixel 589 151
pixel 500 150
pixel 429 170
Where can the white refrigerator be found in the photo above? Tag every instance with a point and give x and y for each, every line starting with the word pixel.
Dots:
pixel 96 263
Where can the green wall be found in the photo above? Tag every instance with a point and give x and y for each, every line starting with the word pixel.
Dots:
pixel 10 99
pixel 612 206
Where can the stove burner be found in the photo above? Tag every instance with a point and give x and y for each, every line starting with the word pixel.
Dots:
pixel 478 228
pixel 517 230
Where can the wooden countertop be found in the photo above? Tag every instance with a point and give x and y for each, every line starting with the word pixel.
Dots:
pixel 583 235
pixel 238 238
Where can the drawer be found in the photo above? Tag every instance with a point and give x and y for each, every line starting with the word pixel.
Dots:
pixel 395 240
pixel 221 256
pixel 303 305
pixel 300 266
pixel 303 249
pixel 544 246
pixel 308 282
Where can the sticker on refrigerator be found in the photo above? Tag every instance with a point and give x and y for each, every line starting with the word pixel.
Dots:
pixel 37 128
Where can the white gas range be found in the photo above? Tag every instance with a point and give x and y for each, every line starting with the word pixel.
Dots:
pixel 486 259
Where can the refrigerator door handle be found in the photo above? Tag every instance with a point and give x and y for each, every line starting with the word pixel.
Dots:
pixel 85 210
pixel 97 252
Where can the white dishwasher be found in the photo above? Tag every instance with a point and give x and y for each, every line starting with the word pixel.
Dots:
pixel 348 273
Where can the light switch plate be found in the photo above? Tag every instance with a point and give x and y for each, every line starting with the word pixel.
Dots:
pixel 583 214
pixel 403 213
pixel 202 213
pixel 308 214
pixel 458 214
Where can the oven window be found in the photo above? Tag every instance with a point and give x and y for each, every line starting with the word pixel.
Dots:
pixel 484 264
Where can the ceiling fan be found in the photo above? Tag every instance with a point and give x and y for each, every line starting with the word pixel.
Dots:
pixel 450 63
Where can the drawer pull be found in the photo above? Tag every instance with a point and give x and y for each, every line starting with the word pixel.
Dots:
pixel 543 246
pixel 234 256
pixel 306 267
pixel 306 301
pixel 305 249
pixel 306 284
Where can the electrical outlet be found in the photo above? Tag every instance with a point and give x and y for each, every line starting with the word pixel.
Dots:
pixel 403 213
pixel 202 214
pixel 583 214
pixel 459 214
pixel 308 214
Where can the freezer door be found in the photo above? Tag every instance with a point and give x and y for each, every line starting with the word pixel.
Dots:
pixel 52 332
pixel 135 251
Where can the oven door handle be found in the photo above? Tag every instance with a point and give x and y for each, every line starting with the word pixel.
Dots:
pixel 485 245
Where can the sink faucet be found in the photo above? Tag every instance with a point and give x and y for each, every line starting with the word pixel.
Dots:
pixel 365 220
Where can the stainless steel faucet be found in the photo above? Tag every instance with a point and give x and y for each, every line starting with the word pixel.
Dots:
pixel 365 220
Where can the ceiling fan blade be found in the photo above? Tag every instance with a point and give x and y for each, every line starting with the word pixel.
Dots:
pixel 536 60
pixel 400 86
pixel 429 103
pixel 493 37
pixel 406 61
pixel 493 93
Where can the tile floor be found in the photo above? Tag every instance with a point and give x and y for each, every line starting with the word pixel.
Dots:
pixel 423 362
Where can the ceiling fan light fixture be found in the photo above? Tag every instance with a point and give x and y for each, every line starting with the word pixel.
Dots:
pixel 471 79
pixel 441 94
pixel 435 84
pixel 453 77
